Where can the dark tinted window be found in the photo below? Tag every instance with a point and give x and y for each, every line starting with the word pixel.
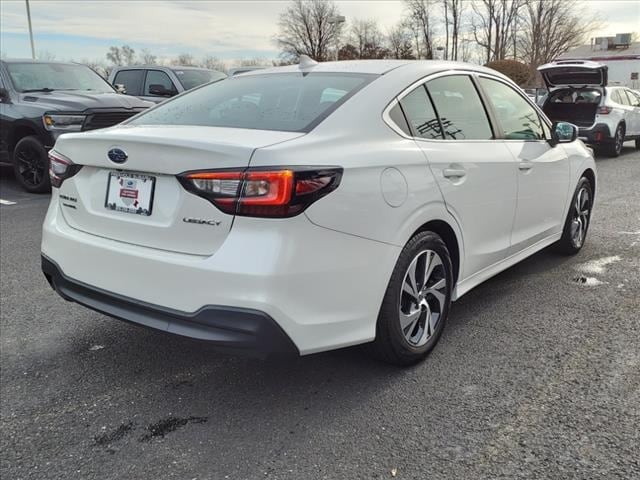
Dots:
pixel 461 111
pixel 398 118
pixel 193 78
pixel 518 119
pixel 131 79
pixel 156 77
pixel 419 111
pixel 288 102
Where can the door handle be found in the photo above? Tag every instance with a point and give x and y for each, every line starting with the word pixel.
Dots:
pixel 453 172
pixel 525 165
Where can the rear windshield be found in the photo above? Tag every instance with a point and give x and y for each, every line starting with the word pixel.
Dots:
pixel 193 78
pixel 570 95
pixel 293 102
pixel 574 76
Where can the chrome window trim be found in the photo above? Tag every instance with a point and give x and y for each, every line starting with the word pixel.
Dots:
pixel 473 73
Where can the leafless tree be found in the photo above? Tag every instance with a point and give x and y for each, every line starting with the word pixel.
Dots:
pixel 421 17
pixel 453 10
pixel 121 56
pixel 213 63
pixel 184 59
pixel 493 26
pixel 147 58
pixel 549 28
pixel 399 39
pixel 367 39
pixel 308 27
pixel 46 55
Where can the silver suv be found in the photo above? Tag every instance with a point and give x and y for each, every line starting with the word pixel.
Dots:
pixel 606 116
pixel 156 83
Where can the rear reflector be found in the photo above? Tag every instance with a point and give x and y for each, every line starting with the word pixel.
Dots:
pixel 271 192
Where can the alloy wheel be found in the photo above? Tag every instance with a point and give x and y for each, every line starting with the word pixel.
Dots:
pixel 30 167
pixel 422 298
pixel 580 217
pixel 619 140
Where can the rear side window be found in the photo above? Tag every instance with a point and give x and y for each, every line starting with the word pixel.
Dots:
pixel 293 102
pixel 518 119
pixel 634 98
pixel 461 112
pixel 398 118
pixel 618 97
pixel 131 79
pixel 420 114
pixel 156 77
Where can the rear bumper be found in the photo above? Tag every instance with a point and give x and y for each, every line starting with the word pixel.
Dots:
pixel 597 134
pixel 226 327
pixel 322 288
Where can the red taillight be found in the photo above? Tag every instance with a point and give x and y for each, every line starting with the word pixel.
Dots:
pixel 263 192
pixel 604 110
pixel 61 168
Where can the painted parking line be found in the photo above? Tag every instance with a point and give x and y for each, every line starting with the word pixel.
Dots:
pixel 6 202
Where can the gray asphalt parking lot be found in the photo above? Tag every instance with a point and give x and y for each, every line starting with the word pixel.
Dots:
pixel 537 376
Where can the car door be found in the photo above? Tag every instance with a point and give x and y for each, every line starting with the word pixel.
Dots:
pixel 543 170
pixel 633 123
pixel 476 173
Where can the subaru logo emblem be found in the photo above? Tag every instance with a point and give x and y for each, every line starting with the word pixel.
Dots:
pixel 117 155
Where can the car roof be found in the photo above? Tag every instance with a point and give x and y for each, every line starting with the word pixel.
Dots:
pixel 161 67
pixel 376 67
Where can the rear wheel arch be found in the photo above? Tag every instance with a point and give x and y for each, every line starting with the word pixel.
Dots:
pixel 449 237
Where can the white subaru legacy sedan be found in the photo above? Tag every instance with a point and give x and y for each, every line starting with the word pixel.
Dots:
pixel 315 206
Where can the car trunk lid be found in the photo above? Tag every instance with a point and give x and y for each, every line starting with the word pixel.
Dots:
pixel 101 198
pixel 574 73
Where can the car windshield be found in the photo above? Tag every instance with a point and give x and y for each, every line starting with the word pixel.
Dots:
pixel 193 78
pixel 55 76
pixel 293 102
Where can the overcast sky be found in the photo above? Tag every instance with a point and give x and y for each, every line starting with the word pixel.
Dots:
pixel 79 29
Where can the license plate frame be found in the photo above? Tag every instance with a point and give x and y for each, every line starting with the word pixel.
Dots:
pixel 130 198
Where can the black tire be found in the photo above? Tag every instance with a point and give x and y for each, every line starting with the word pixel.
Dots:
pixel 391 344
pixel 568 243
pixel 637 143
pixel 614 148
pixel 31 165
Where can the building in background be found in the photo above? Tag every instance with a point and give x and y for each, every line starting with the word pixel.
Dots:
pixel 619 53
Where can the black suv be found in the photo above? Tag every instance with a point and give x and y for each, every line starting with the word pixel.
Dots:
pixel 39 101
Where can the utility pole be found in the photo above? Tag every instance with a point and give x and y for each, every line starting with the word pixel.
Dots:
pixel 336 21
pixel 33 48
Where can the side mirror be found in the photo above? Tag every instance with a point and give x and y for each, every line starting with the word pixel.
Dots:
pixel 563 132
pixel 120 88
pixel 4 95
pixel 160 90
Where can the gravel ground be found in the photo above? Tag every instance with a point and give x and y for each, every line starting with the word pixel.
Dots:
pixel 536 376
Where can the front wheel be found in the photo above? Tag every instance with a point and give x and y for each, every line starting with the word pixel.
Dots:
pixel 416 304
pixel 31 165
pixel 578 219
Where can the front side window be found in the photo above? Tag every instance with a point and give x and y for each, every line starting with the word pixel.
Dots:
pixel 33 77
pixel 420 114
pixel 158 78
pixel 293 102
pixel 518 119
pixel 131 79
pixel 461 112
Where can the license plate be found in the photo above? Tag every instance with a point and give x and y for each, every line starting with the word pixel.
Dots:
pixel 130 193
